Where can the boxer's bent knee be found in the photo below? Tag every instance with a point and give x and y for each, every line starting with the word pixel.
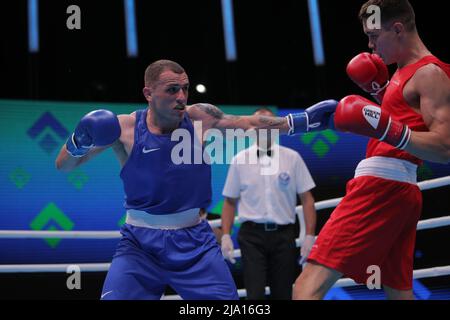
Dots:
pixel 314 281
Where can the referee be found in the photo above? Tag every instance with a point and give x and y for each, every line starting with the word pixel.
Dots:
pixel 266 206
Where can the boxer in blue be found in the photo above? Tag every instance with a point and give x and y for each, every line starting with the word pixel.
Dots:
pixel 164 242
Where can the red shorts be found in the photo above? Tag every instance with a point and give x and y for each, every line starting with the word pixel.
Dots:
pixel 375 224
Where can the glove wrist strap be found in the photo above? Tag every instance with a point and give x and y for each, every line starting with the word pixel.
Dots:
pixel 378 88
pixel 297 122
pixel 74 150
pixel 397 134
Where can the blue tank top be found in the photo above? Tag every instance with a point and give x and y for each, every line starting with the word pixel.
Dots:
pixel 153 183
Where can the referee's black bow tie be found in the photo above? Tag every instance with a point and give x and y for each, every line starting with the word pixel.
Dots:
pixel 260 153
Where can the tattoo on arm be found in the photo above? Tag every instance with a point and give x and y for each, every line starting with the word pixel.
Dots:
pixel 211 110
pixel 223 121
pixel 271 121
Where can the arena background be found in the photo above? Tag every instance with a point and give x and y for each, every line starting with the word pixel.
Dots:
pixel 44 93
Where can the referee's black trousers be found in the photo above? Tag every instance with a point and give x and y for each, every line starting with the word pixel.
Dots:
pixel 269 258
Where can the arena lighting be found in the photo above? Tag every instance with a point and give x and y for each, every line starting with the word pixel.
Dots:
pixel 316 32
pixel 228 30
pixel 200 88
pixel 33 26
pixel 130 26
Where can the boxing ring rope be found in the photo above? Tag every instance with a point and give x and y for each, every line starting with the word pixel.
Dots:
pixel 102 267
pixel 326 204
pixel 99 267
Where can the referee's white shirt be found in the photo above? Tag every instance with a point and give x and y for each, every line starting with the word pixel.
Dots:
pixel 267 198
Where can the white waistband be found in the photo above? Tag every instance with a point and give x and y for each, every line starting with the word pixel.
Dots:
pixel 172 221
pixel 388 168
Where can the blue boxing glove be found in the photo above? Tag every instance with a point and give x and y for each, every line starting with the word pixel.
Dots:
pixel 316 118
pixel 97 128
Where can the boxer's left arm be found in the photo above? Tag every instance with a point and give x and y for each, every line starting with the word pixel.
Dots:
pixel 316 117
pixel 433 88
pixel 212 117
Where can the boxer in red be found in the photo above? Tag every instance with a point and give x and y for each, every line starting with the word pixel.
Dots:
pixel 375 224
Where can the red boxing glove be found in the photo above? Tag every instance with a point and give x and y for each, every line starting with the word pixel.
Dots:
pixel 370 73
pixel 361 116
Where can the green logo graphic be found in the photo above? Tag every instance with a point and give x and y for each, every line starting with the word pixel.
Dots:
pixel 121 222
pixel 55 219
pixel 218 207
pixel 19 177
pixel 78 179
pixel 320 141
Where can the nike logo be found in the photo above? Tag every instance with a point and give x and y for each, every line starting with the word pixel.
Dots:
pixel 144 150
pixel 106 293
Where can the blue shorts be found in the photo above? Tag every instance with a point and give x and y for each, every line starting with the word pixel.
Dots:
pixel 188 260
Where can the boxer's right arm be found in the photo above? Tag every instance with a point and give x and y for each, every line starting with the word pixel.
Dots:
pixel 95 132
pixel 359 115
pixel 65 162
